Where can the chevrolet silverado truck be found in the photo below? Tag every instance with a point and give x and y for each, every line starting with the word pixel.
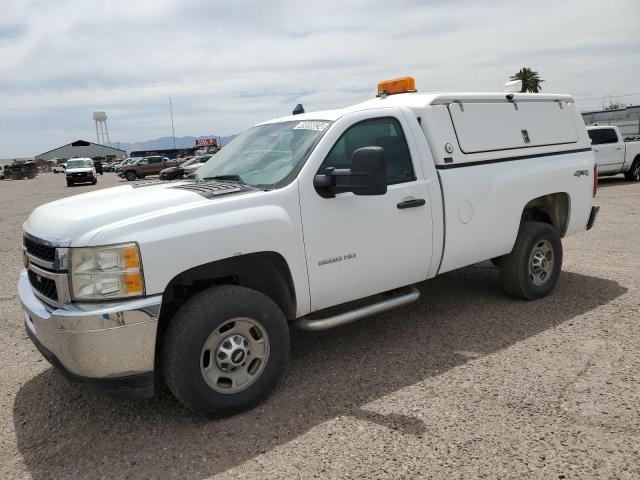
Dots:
pixel 145 166
pixel 198 282
pixel 613 154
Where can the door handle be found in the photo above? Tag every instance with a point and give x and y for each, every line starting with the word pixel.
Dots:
pixel 596 149
pixel 618 148
pixel 416 202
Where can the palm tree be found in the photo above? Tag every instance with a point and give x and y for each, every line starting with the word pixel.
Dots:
pixel 531 81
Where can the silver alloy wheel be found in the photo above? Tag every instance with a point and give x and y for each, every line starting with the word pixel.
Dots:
pixel 541 263
pixel 235 355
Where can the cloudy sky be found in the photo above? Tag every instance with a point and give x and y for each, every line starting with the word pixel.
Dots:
pixel 228 65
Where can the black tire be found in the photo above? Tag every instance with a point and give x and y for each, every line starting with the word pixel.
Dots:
pixel 633 175
pixel 516 277
pixel 94 181
pixel 181 352
pixel 69 184
pixel 130 175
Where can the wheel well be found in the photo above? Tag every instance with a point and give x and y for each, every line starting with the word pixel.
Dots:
pixel 552 209
pixel 265 272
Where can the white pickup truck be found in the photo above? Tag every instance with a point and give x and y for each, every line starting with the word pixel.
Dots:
pixel 199 281
pixel 613 154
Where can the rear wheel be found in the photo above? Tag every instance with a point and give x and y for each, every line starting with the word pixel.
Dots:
pixel 130 175
pixel 633 175
pixel 224 350
pixel 532 268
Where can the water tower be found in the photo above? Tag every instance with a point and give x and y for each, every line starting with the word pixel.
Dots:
pixel 101 128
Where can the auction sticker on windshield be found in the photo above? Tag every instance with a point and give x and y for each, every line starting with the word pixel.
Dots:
pixel 310 125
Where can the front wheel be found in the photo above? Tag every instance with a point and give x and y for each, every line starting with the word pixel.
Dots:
pixel 532 268
pixel 130 175
pixel 224 350
pixel 633 175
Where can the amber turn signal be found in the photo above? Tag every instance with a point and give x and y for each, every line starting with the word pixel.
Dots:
pixel 133 284
pixel 131 256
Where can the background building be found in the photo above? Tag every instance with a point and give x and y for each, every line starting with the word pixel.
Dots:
pixel 81 148
pixel 626 119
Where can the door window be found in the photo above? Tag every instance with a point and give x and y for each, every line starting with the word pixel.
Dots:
pixel 600 136
pixel 378 132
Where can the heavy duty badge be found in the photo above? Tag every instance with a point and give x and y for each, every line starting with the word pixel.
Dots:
pixel 340 258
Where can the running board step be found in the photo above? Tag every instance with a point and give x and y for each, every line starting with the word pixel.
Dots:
pixel 405 297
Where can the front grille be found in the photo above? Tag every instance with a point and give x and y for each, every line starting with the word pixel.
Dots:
pixel 45 286
pixel 38 250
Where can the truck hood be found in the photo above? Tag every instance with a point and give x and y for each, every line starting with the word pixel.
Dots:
pixel 78 219
pixel 79 170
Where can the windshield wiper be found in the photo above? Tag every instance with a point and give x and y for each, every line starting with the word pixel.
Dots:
pixel 234 178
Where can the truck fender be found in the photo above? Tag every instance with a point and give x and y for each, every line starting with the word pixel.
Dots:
pixel 265 272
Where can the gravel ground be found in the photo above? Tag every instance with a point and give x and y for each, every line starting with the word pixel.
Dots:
pixel 465 383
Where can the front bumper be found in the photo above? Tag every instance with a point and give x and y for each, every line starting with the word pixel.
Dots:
pixel 80 178
pixel 109 347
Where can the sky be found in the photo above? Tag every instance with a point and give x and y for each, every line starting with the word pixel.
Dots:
pixel 228 65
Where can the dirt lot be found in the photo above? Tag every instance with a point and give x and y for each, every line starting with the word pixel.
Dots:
pixel 466 383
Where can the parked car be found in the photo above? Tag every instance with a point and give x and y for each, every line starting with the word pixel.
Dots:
pixel 613 154
pixel 59 168
pixel 125 162
pixel 21 169
pixel 3 169
pixel 146 166
pixel 295 216
pixel 184 170
pixel 111 166
pixel 81 170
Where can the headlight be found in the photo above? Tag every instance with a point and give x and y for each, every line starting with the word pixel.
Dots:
pixel 109 272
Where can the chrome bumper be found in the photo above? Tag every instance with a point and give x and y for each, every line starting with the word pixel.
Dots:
pixel 88 341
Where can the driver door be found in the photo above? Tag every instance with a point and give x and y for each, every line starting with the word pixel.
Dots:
pixel 357 246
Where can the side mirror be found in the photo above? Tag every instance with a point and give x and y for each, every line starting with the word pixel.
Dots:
pixel 367 175
pixel 369 171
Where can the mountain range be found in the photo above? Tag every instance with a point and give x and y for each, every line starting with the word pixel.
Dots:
pixel 167 142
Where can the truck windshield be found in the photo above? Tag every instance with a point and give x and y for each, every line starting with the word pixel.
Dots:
pixel 265 155
pixel 79 164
